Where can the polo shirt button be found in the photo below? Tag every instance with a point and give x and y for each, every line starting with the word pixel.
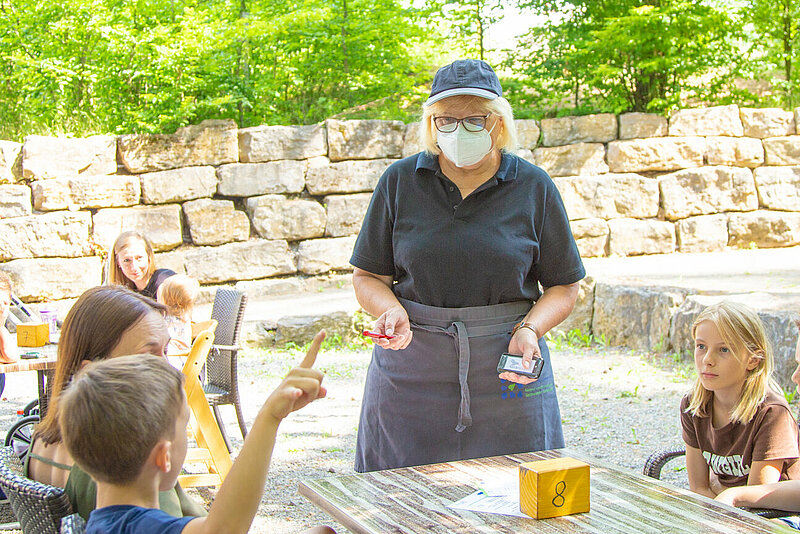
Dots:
pixel 452 188
pixel 455 207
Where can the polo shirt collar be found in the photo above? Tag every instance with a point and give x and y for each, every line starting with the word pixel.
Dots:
pixel 505 173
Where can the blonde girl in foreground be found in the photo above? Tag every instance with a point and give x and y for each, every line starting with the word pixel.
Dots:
pixel 736 424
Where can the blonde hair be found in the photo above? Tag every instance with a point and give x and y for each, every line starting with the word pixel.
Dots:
pixel 115 275
pixel 743 331
pixel 109 426
pixel 178 293
pixel 507 141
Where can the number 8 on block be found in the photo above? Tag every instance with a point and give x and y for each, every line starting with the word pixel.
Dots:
pixel 552 488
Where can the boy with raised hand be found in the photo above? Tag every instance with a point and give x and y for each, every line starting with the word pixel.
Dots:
pixel 132 441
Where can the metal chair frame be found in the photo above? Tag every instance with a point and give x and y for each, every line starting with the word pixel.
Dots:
pixel 222 375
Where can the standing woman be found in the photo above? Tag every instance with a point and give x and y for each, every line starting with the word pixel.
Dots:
pixel 453 249
pixel 132 264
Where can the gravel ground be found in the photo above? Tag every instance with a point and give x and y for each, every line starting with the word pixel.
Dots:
pixel 615 404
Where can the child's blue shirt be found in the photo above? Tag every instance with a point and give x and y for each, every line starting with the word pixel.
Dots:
pixel 127 519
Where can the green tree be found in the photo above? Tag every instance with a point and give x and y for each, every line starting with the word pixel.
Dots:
pixel 468 22
pixel 628 55
pixel 776 34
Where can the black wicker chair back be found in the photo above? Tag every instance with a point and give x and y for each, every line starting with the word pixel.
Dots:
pixel 222 382
pixel 73 524
pixel 38 507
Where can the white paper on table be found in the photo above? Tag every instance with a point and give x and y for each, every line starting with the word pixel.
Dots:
pixel 494 497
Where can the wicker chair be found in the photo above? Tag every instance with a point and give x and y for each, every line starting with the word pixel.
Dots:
pixel 38 507
pixel 656 462
pixel 222 382
pixel 73 524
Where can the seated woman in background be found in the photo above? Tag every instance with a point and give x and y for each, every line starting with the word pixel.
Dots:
pixel 105 322
pixel 131 263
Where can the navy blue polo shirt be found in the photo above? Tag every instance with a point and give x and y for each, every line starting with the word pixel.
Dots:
pixel 497 245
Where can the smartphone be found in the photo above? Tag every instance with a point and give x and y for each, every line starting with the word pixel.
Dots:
pixel 513 363
pixel 376 335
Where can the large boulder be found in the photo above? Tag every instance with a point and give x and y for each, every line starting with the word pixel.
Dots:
pixel 767 122
pixel 736 151
pixel 640 125
pixel 600 128
pixel 782 150
pixel 345 213
pixel 86 192
pixel 316 256
pixel 707 190
pixel 778 187
pixel 581 317
pixel 528 133
pixel 57 234
pixel 256 258
pixel 656 154
pixel 271 143
pixel 15 201
pixel 591 236
pixel 212 142
pixel 161 225
pixel 572 160
pixel 64 157
pixel 53 278
pixel 10 162
pixel 717 120
pixel 177 185
pixel 276 217
pixel 412 142
pixel 706 233
pixel 633 237
pixel 215 222
pixel 251 179
pixel 763 229
pixel 637 317
pixel 364 139
pixel 324 177
pixel 609 196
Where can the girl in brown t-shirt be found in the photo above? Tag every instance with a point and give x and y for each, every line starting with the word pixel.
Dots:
pixel 737 426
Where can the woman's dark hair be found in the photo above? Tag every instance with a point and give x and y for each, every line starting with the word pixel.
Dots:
pixel 92 328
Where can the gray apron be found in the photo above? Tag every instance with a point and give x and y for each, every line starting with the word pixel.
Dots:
pixel 440 398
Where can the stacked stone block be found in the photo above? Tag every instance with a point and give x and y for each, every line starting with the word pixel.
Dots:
pixel 271 208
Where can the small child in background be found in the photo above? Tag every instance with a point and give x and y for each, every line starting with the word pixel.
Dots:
pixel 8 345
pixel 736 423
pixel 178 293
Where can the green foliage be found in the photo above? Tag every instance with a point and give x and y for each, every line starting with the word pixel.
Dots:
pixel 630 55
pixel 776 36
pixel 467 22
pixel 88 66
pixel 575 338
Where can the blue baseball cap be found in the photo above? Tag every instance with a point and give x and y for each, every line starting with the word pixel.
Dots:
pixel 465 77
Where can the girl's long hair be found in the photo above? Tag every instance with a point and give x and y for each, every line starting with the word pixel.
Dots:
pixel 92 328
pixel 742 330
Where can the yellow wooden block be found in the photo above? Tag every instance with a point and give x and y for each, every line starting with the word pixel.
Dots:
pixel 551 488
pixel 32 334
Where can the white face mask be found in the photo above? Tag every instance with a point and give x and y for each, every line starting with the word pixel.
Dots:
pixel 465 148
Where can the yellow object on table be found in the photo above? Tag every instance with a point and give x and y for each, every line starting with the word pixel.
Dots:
pixel 552 488
pixel 33 334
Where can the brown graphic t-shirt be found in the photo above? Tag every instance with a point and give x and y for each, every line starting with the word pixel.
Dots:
pixel 730 451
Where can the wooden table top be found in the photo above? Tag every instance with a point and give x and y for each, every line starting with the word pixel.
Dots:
pixel 46 361
pixel 415 499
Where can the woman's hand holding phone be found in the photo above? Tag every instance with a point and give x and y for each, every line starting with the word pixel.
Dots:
pixel 524 342
pixel 394 324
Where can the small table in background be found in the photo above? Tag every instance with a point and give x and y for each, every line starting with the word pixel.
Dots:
pixel 44 366
pixel 416 499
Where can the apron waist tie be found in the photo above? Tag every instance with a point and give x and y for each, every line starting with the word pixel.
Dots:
pixel 458 331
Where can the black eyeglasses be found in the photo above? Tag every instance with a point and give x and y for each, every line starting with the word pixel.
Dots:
pixel 475 123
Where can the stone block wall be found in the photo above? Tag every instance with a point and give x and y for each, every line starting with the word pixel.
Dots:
pixel 277 208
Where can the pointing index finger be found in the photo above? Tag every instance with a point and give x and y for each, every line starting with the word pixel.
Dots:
pixel 311 355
